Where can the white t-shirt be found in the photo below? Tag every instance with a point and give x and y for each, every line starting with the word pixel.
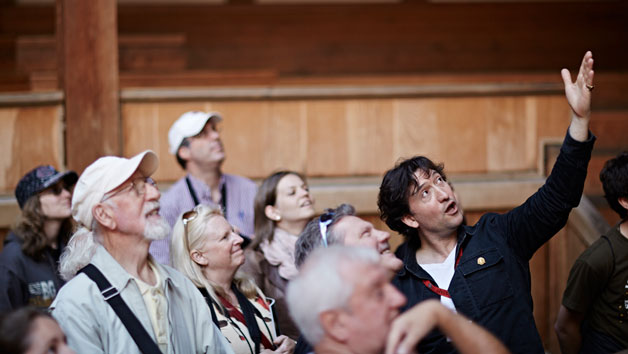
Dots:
pixel 442 273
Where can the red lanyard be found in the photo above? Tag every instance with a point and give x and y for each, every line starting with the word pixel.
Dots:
pixel 436 289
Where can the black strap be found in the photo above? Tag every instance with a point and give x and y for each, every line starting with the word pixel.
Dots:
pixel 210 303
pixel 192 192
pixel 223 195
pixel 143 340
pixel 248 310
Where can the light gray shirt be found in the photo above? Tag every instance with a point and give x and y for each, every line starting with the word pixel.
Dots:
pixel 92 326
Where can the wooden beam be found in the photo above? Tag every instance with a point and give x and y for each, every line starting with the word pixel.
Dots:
pixel 88 74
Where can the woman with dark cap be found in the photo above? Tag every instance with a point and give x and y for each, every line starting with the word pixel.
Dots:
pixel 29 260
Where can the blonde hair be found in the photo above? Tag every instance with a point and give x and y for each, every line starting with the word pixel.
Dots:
pixel 183 243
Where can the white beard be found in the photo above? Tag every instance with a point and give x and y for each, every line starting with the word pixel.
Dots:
pixel 157 229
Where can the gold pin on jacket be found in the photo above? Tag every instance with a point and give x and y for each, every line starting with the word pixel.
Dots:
pixel 481 260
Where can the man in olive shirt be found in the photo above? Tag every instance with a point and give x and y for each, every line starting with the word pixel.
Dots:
pixel 593 317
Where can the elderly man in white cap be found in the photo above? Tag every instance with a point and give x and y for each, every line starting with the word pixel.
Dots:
pixel 195 141
pixel 118 299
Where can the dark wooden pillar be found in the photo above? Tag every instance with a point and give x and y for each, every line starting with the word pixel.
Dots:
pixel 87 38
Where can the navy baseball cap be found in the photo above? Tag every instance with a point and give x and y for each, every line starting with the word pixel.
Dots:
pixel 40 178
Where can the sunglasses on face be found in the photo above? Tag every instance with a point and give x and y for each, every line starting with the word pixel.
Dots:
pixel 323 223
pixel 58 188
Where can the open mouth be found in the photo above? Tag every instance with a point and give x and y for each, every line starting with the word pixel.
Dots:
pixel 305 203
pixel 451 208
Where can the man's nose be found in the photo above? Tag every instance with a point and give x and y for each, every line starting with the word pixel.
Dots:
pixel 152 192
pixel 382 236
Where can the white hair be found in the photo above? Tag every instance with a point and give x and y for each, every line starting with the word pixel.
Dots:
pixel 320 286
pixel 79 251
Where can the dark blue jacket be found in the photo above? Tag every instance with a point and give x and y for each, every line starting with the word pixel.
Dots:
pixel 495 292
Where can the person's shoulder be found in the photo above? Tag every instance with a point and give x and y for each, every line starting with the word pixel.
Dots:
pixel 79 291
pixel 12 253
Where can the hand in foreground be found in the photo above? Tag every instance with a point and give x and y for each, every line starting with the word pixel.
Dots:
pixel 410 327
pixel 284 344
pixel 578 93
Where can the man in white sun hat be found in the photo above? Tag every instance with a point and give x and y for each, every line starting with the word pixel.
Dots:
pixel 118 299
pixel 194 139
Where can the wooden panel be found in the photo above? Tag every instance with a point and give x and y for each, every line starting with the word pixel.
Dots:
pixel 242 125
pixel 327 134
pixel 30 136
pixel 369 134
pixel 351 137
pixel 511 139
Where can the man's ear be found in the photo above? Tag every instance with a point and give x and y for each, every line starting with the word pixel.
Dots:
pixel 623 201
pixel 272 213
pixel 103 214
pixel 410 221
pixel 198 257
pixel 184 152
pixel 334 324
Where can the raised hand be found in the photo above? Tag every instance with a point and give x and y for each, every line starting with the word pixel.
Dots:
pixel 578 93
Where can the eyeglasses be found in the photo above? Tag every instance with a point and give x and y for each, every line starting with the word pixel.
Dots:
pixel 324 222
pixel 58 188
pixel 138 185
pixel 186 218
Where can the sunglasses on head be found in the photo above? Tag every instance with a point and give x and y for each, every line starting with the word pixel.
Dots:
pixel 324 222
pixel 186 218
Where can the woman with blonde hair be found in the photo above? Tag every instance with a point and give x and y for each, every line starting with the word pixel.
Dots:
pixel 283 206
pixel 207 249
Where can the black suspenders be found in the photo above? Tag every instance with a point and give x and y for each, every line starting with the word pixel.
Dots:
pixel 143 340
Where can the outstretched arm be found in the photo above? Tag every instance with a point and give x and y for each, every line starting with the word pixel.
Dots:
pixel 410 327
pixel 578 95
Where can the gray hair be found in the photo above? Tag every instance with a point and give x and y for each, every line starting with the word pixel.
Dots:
pixel 320 286
pixel 79 251
pixel 310 237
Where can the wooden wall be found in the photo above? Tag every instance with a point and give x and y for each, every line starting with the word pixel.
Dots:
pixel 360 137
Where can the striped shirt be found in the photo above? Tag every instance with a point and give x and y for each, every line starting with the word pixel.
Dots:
pixel 178 199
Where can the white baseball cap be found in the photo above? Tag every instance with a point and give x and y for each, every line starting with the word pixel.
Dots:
pixel 189 124
pixel 103 176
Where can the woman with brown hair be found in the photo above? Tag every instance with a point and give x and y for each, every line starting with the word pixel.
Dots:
pixel 283 206
pixel 29 260
pixel 206 249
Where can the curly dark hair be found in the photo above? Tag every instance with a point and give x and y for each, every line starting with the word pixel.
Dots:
pixel 614 177
pixel 30 229
pixel 395 189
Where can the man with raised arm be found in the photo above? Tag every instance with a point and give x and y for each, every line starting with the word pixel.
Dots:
pixel 482 271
